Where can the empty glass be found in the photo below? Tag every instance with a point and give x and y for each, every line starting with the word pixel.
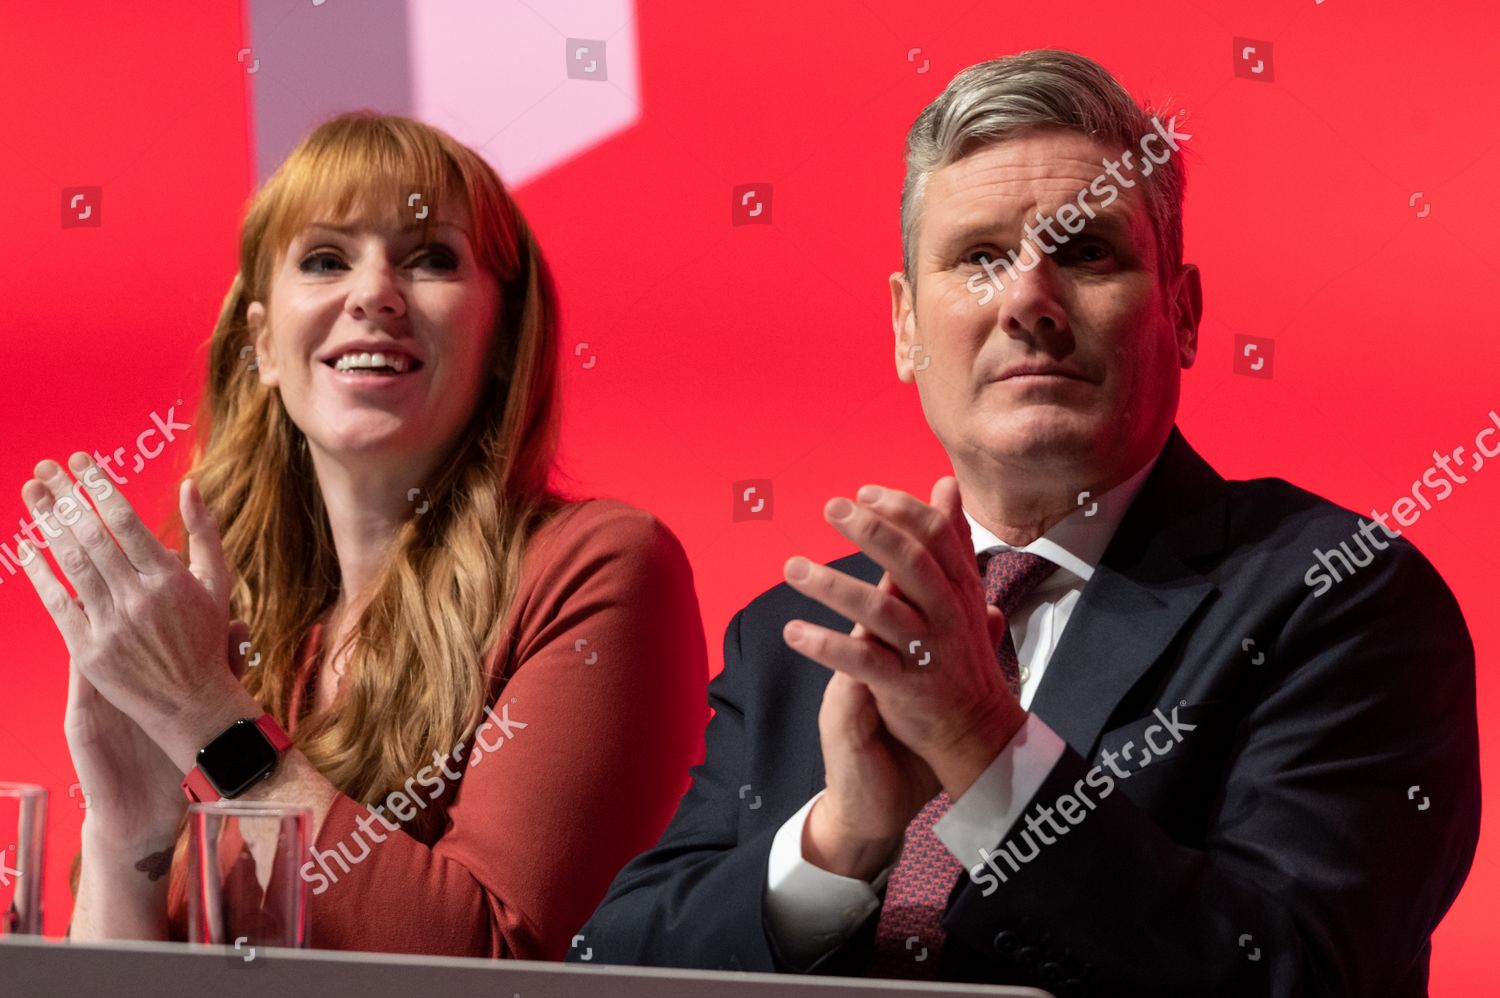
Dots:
pixel 23 851
pixel 243 880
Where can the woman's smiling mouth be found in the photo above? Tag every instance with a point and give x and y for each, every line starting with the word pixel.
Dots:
pixel 377 371
pixel 379 364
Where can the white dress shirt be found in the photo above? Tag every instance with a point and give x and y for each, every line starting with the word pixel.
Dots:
pixel 809 911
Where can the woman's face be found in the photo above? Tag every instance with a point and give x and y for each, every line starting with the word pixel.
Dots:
pixel 425 312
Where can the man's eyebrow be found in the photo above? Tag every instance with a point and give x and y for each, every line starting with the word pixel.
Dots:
pixel 1104 222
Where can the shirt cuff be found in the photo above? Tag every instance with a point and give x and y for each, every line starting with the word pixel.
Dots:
pixel 810 911
pixel 983 816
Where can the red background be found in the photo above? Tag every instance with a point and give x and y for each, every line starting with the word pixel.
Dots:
pixel 764 351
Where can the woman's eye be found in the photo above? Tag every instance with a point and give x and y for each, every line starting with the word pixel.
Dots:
pixel 436 257
pixel 310 258
pixel 441 259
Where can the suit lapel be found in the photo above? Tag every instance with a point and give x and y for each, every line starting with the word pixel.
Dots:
pixel 1116 632
pixel 1141 594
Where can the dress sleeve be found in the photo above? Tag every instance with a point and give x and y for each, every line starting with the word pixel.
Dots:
pixel 578 766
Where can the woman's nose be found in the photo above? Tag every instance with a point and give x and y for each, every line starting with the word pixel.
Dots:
pixel 376 291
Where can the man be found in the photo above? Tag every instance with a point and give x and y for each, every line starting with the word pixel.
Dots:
pixel 1091 729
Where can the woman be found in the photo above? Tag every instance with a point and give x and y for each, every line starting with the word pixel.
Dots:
pixel 390 538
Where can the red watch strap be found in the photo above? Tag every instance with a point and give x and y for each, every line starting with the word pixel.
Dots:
pixel 277 737
pixel 196 785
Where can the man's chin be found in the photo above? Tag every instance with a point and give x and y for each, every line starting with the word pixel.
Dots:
pixel 1043 436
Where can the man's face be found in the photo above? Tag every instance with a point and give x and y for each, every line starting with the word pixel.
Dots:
pixel 333 290
pixel 1093 311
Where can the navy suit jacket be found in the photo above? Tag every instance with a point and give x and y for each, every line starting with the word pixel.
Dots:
pixel 1304 836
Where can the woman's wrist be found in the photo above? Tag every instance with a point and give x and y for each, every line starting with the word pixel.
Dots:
pixel 119 898
pixel 112 845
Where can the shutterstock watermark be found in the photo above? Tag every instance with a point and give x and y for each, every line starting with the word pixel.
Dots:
pixel 1322 576
pixel 1076 806
pixel 70 507
pixel 1071 215
pixel 404 802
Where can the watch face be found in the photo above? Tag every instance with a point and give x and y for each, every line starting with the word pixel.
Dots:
pixel 237 758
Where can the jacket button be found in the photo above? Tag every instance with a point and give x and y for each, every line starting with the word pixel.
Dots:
pixel 1026 954
pixel 1052 972
pixel 1006 940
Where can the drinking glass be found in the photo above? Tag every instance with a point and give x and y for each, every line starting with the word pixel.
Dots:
pixel 23 851
pixel 243 880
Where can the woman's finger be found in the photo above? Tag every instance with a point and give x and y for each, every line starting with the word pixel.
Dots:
pixel 52 519
pixel 134 540
pixel 67 613
pixel 204 546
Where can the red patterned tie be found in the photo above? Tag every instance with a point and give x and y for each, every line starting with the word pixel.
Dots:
pixel 909 936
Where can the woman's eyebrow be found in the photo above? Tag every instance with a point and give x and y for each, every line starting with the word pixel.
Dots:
pixel 410 227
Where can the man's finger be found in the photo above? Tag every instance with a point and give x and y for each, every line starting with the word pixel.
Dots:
pixel 939 527
pixel 948 501
pixel 863 659
pixel 882 616
pixel 907 557
pixel 931 523
pixel 885 585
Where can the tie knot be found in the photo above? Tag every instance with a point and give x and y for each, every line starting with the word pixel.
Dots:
pixel 1009 576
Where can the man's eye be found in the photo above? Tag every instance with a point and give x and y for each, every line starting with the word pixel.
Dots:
pixel 1092 252
pixel 978 257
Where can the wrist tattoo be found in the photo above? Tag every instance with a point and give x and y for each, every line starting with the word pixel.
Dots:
pixel 156 865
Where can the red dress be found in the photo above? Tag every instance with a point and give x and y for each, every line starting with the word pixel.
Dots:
pixel 580 769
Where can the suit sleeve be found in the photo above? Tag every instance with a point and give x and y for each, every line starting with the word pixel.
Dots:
pixel 695 899
pixel 1343 829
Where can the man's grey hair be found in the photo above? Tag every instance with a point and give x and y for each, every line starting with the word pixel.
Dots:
pixel 1048 88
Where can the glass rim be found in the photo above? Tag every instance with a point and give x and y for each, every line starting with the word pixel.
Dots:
pixel 250 809
pixel 8 789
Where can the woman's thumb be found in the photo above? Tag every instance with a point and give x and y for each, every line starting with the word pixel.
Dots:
pixel 240 653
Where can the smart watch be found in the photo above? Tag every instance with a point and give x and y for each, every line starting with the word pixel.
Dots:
pixel 244 754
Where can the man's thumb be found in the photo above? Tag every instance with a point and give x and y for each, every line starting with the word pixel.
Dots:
pixel 997 624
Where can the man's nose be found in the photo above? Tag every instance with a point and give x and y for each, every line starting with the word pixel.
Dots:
pixel 1034 304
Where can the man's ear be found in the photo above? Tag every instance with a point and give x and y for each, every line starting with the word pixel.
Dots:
pixel 260 338
pixel 904 322
pixel 1186 309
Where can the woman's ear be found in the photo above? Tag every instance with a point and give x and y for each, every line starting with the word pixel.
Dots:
pixel 259 358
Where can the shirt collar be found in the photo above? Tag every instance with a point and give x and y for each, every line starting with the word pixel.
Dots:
pixel 1077 541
